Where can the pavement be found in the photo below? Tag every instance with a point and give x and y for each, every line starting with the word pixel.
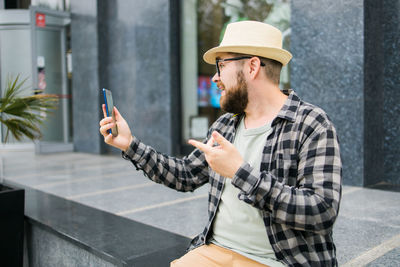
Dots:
pixel 366 233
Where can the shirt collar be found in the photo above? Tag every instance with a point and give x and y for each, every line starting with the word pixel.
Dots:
pixel 290 108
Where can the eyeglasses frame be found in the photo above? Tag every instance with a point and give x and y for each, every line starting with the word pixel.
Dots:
pixel 217 61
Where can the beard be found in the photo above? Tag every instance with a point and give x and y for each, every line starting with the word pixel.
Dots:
pixel 236 98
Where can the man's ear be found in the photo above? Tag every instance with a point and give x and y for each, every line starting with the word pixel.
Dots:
pixel 254 67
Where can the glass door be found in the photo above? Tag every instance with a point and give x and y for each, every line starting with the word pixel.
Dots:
pixel 50 81
pixel 49 52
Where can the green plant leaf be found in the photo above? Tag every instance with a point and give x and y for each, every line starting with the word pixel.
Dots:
pixel 20 128
pixel 22 115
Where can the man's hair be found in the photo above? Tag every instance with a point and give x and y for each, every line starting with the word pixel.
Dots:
pixel 272 67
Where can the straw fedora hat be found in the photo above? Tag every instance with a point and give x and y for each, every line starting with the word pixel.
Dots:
pixel 251 38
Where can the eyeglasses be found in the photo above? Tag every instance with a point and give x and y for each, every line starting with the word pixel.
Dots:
pixel 218 61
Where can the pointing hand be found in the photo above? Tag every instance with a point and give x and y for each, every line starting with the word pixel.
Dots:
pixel 223 158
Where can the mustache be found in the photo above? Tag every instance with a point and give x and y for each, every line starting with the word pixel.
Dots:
pixel 220 85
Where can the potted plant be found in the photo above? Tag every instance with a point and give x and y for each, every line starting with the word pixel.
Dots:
pixel 21 116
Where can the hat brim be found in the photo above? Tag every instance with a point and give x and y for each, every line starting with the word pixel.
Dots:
pixel 277 54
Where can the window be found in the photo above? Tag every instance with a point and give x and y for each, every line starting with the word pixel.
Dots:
pixel 203 25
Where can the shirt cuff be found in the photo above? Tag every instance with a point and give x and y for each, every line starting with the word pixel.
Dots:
pixel 135 150
pixel 246 178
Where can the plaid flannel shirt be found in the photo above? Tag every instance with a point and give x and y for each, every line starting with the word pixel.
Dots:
pixel 297 187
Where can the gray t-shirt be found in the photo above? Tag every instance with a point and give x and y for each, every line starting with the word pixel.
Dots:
pixel 239 226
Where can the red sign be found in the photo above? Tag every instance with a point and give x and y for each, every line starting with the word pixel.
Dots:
pixel 40 20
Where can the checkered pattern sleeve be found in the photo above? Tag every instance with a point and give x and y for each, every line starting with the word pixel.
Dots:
pixel 313 203
pixel 185 174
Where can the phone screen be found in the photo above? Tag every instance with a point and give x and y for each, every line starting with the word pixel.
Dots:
pixel 109 109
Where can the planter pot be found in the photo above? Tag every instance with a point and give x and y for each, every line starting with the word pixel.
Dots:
pixel 11 226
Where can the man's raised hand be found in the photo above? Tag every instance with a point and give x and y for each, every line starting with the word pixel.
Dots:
pixel 124 137
pixel 223 158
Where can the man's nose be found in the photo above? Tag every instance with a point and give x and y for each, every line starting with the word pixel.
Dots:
pixel 215 78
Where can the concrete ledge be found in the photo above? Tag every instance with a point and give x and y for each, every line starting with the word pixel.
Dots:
pixel 48 249
pixel 61 232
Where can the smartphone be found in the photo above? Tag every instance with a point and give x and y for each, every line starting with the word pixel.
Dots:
pixel 109 110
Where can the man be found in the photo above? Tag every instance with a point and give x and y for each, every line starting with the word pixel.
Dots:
pixel 272 162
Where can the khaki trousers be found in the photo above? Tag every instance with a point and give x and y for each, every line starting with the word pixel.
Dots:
pixel 214 256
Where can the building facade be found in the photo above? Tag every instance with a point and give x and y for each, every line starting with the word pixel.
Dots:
pixel 345 60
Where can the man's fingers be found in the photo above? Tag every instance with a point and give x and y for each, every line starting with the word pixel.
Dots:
pixel 108 138
pixel 219 138
pixel 211 141
pixel 103 131
pixel 105 127
pixel 203 147
pixel 105 121
pixel 104 110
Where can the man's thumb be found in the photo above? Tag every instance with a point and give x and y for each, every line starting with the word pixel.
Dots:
pixel 117 114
